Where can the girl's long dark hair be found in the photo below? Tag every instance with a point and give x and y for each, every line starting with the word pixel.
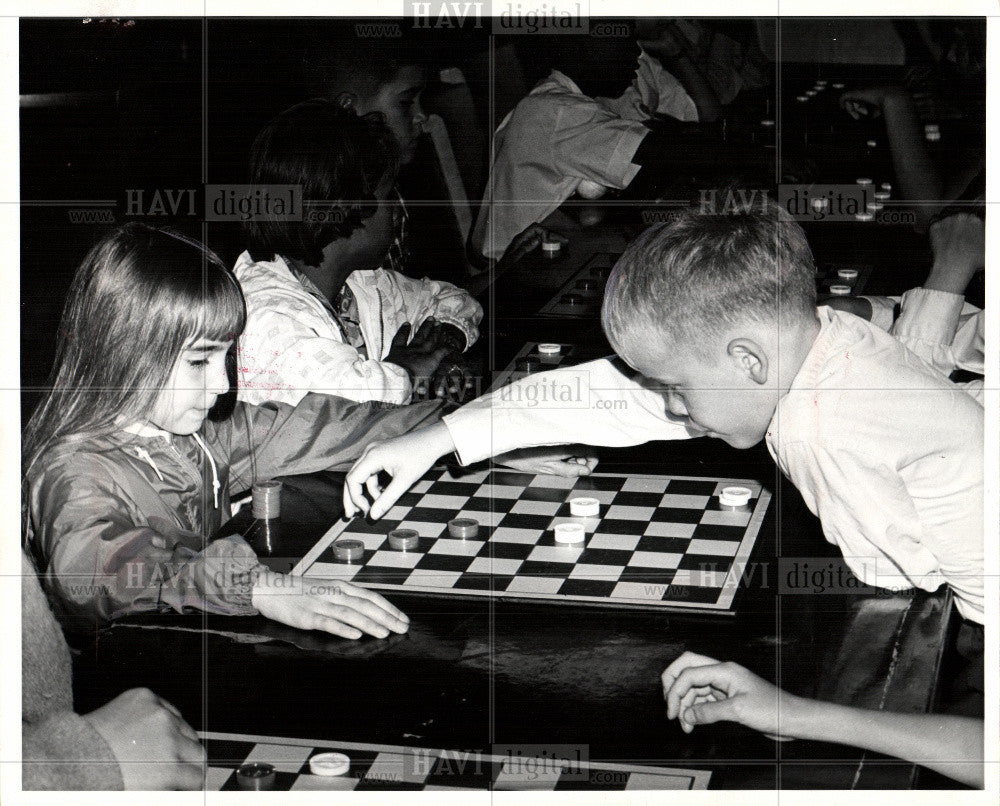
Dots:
pixel 138 298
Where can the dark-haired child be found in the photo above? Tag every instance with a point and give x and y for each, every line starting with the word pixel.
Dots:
pixel 717 316
pixel 321 316
pixel 125 480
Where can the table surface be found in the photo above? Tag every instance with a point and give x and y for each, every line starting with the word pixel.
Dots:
pixel 470 675
pixel 473 674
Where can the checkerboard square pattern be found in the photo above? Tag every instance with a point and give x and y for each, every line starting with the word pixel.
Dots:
pixel 658 541
pixel 380 767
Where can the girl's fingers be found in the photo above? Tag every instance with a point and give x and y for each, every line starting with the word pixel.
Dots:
pixel 375 598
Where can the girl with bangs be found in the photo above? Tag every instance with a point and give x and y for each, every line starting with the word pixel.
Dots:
pixel 125 479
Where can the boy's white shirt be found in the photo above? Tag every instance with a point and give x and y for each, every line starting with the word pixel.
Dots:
pixel 293 346
pixel 905 512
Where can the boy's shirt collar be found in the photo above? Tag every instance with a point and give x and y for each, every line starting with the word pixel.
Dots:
pixel 805 378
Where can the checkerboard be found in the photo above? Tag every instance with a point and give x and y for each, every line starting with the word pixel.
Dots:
pixel 658 542
pixel 383 767
pixel 582 294
pixel 569 356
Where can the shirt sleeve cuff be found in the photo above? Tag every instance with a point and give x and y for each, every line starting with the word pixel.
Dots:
pixel 929 316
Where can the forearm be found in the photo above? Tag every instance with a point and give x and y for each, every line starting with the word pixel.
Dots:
pixel 950 745
pixel 697 86
pixel 320 433
pixel 136 576
pixel 916 174
pixel 593 403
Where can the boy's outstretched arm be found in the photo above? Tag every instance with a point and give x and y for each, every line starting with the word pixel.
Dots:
pixel 408 457
pixel 699 691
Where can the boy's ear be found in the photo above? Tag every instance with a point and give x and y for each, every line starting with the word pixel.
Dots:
pixel 751 359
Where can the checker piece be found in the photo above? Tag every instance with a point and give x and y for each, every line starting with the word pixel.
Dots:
pixel 463 528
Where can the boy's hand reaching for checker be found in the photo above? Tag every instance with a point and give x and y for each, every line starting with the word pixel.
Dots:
pixel 700 690
pixel 406 458
pixel 332 606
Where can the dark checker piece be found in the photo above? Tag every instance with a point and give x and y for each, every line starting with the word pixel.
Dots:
pixel 528 364
pixel 404 539
pixel 255 776
pixel 463 528
pixel 348 551
pixel 572 299
pixel 588 285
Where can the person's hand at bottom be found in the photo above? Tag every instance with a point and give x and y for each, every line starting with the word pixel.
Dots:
pixel 155 748
pixel 700 691
pixel 332 606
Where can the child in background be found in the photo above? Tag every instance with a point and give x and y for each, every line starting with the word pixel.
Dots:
pixel 559 141
pixel 136 741
pixel 320 316
pixel 699 691
pixel 717 315
pixel 124 478
pixel 370 75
